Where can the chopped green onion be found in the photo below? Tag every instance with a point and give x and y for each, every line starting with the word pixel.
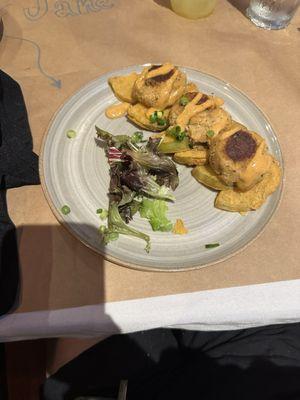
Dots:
pixel 181 136
pixel 161 121
pixel 177 133
pixel 183 101
pixel 174 131
pixel 158 117
pixel 65 210
pixel 136 137
pixel 71 134
pixel 153 118
pixel 212 245
pixel 210 133
pixel 102 213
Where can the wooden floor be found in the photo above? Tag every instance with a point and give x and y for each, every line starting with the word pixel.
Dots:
pixel 22 370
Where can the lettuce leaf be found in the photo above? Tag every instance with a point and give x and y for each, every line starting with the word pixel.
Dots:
pixel 117 141
pixel 140 182
pixel 116 225
pixel 154 190
pixel 156 163
pixel 155 211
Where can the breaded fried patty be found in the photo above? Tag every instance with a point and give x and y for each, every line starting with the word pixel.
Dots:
pixel 159 86
pixel 240 157
pixel 213 120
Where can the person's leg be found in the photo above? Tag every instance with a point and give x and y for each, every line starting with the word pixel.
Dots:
pixel 98 371
pixel 259 363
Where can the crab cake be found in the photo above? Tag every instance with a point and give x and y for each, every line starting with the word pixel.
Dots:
pixel 203 102
pixel 159 86
pixel 208 121
pixel 240 157
pixel 234 200
pixel 177 108
pixel 141 116
pixel 191 87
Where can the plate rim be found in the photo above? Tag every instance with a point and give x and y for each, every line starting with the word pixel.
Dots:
pixel 130 265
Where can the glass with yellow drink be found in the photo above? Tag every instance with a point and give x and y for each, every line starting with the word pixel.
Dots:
pixel 193 8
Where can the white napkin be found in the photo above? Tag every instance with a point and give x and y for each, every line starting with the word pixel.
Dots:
pixel 222 309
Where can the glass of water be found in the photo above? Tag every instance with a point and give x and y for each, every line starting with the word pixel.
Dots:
pixel 272 14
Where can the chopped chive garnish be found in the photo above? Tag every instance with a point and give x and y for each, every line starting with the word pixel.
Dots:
pixel 212 245
pixel 102 213
pixel 161 121
pixel 71 134
pixel 210 133
pixel 183 101
pixel 174 131
pixel 65 210
pixel 177 133
pixel 181 136
pixel 136 137
pixel 158 117
pixel 153 118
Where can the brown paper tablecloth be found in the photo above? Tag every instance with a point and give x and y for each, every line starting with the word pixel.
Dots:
pixel 78 41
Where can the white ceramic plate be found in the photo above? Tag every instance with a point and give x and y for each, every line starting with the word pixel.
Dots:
pixel 75 172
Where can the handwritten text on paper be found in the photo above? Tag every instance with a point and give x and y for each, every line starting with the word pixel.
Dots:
pixel 65 8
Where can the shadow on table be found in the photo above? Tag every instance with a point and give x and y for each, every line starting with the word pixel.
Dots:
pixel 59 273
pixel 50 274
pixel 163 3
pixel 48 278
pixel 240 5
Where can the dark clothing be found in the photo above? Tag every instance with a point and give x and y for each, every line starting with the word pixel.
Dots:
pixel 250 364
pixel 18 167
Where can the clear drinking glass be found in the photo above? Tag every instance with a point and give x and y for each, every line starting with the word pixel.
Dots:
pixel 272 14
pixel 193 9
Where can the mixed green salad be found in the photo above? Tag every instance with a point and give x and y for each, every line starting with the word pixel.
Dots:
pixel 141 180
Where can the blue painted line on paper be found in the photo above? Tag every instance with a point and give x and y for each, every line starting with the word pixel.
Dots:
pixel 54 82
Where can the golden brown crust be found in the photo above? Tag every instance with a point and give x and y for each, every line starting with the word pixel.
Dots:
pixel 208 102
pixel 160 91
pixel 214 120
pixel 245 173
pixel 234 200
